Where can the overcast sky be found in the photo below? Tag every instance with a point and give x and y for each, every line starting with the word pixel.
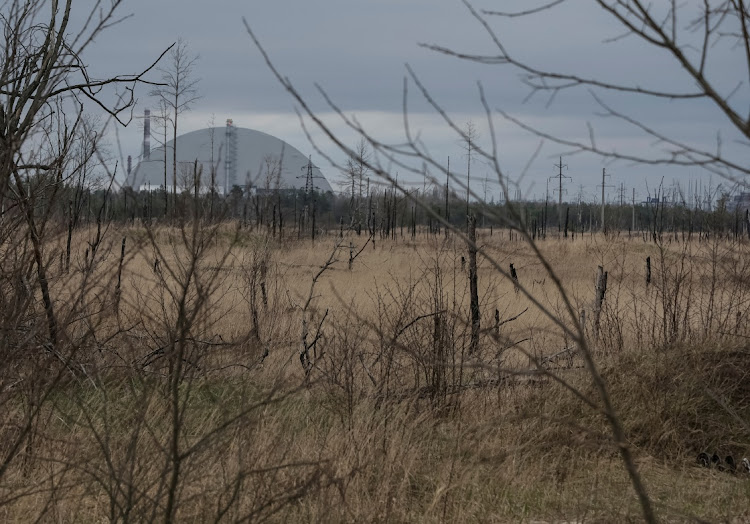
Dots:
pixel 357 51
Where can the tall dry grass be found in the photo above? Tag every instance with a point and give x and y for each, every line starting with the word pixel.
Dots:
pixel 188 400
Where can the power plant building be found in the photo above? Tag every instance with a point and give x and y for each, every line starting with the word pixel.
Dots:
pixel 226 157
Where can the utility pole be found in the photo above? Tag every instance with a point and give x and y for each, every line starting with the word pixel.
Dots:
pixel 309 175
pixel 604 175
pixel 633 228
pixel 447 181
pixel 309 191
pixel 546 201
pixel 560 177
pixel 622 201
pixel 484 200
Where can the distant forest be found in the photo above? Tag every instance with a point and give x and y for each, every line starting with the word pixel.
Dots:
pixel 291 213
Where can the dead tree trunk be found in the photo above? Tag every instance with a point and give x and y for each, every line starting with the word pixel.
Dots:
pixel 254 301
pixel 281 218
pixel 514 276
pixel 601 289
pixel 273 221
pixel 473 284
pixel 263 277
pixel 70 236
pixel 439 363
pixel 41 270
pixel 119 277
pixel 304 355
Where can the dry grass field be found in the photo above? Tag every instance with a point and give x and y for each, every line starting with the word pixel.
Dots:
pixel 190 392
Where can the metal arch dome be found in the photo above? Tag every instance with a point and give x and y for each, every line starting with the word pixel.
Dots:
pixel 240 156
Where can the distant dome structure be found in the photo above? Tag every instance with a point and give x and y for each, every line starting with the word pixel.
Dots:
pixel 247 158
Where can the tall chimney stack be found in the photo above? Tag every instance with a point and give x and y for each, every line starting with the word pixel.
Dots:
pixel 147 134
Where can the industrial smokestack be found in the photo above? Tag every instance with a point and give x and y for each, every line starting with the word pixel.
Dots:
pixel 230 156
pixel 147 134
pixel 227 161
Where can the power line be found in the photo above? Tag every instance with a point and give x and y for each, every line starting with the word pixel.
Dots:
pixel 603 185
pixel 560 177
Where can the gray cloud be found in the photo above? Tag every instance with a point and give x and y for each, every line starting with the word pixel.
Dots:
pixel 356 49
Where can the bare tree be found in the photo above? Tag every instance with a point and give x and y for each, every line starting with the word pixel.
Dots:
pixel 178 93
pixel 469 144
pixel 272 165
pixel 163 121
pixel 406 157
pixel 355 174
pixel 43 82
pixel 44 86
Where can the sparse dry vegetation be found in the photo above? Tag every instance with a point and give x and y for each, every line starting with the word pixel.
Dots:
pixel 186 397
pixel 183 364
